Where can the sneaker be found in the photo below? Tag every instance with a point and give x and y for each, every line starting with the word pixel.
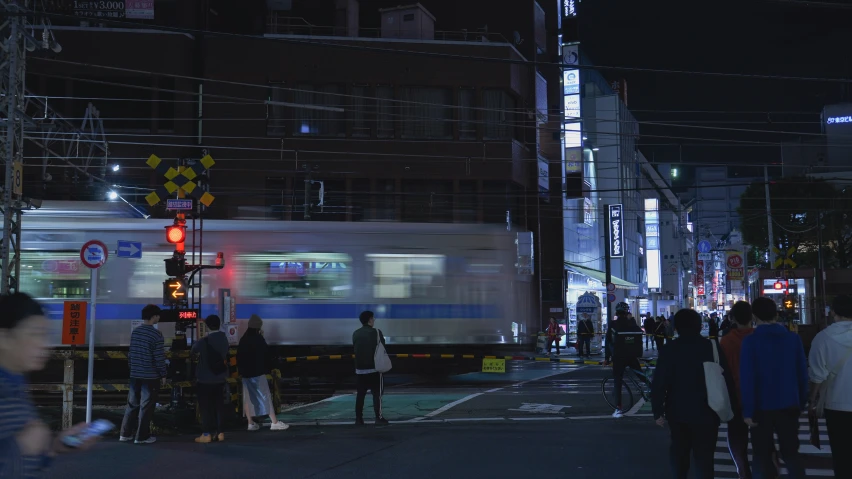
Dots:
pixel 278 426
pixel 618 413
pixel 204 439
pixel 381 421
pixel 359 422
pixel 150 440
pixel 124 439
pixel 253 426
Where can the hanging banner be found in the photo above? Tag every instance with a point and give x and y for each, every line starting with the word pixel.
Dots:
pixel 734 265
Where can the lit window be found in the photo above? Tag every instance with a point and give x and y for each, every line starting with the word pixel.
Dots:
pixel 408 276
pixel 294 275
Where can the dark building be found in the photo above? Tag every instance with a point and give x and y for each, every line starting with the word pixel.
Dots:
pixel 328 110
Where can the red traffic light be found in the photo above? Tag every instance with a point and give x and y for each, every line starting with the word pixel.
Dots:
pixel 175 234
pixel 778 285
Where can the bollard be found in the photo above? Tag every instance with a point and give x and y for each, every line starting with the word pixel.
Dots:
pixel 68 395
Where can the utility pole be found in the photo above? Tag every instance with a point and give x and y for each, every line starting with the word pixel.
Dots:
pixel 12 75
pixel 769 216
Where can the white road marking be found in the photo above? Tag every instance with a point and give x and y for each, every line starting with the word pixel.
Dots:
pixel 332 398
pixel 453 404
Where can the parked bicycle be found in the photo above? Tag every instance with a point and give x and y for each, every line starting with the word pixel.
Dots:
pixel 634 384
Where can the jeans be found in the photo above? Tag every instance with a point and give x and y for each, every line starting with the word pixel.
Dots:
pixel 584 343
pixel 141 400
pixel 649 339
pixel 618 367
pixel 211 401
pixel 738 445
pixel 784 423
pixel 839 425
pixel 550 342
pixel 697 440
pixel 375 383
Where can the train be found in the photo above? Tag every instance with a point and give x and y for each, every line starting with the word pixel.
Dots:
pixel 437 285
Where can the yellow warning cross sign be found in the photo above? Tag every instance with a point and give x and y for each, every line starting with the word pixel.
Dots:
pixel 180 180
pixel 783 259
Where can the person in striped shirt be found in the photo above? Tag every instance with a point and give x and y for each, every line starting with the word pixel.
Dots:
pixel 147 359
pixel 27 446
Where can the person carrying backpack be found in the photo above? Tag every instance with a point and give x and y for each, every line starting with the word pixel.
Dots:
pixel 212 373
pixel 626 339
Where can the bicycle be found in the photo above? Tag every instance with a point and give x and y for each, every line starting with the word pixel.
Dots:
pixel 632 382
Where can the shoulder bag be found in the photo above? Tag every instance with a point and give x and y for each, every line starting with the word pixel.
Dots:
pixel 717 390
pixel 383 362
pixel 823 388
pixel 215 362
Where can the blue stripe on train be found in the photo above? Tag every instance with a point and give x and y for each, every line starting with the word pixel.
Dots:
pixel 112 311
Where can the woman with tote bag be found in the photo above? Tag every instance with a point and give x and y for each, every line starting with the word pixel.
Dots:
pixel 690 392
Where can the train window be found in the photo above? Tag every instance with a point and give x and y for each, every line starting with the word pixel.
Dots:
pixel 149 272
pixel 408 275
pixel 58 275
pixel 294 275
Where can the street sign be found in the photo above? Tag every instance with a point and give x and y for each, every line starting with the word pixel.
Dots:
pixel 783 259
pixel 704 246
pixel 94 254
pixel 610 297
pixel 493 365
pixel 178 204
pixel 180 180
pixel 74 323
pixel 174 292
pixel 17 178
pixel 129 249
pixel 610 287
pixel 705 257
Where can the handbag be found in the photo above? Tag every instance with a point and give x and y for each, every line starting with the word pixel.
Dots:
pixel 383 362
pixel 717 389
pixel 823 388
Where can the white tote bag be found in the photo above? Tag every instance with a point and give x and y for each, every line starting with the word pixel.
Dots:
pixel 383 362
pixel 717 390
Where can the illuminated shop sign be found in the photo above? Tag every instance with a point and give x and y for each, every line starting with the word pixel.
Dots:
pixel 838 119
pixel 616 231
pixel 652 240
pixel 569 8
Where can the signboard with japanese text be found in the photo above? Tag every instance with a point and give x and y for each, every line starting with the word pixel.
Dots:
pixel 131 9
pixel 74 323
pixel 616 231
pixel 735 265
pixel 493 365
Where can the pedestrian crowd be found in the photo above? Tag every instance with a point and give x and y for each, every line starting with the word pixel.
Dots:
pixel 757 379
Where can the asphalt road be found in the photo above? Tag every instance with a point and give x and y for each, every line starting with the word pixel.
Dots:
pixel 539 419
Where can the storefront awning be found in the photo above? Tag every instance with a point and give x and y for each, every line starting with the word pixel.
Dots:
pixel 600 276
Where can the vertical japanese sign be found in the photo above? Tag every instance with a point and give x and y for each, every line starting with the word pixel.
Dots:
pixel 616 231
pixel 74 323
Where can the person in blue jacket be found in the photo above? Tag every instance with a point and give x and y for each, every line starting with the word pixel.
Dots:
pixel 774 388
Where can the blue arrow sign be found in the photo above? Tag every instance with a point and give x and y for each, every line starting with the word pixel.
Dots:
pixel 129 249
pixel 704 246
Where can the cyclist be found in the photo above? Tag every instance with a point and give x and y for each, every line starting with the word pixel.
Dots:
pixel 625 336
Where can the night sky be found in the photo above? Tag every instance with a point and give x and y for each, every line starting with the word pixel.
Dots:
pixel 760 37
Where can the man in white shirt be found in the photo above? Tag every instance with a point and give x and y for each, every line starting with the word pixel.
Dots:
pixel 830 365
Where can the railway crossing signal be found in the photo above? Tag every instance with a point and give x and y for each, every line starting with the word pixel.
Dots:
pixel 784 260
pixel 180 180
pixel 174 292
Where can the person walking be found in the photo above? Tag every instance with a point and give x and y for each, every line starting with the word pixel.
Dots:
pixel 585 332
pixel 831 377
pixel 679 396
pixel 626 339
pixel 366 340
pixel 774 390
pixel 212 373
pixel 253 364
pixel 649 326
pixel 147 358
pixel 27 446
pixel 731 344
pixel 669 330
pixel 554 335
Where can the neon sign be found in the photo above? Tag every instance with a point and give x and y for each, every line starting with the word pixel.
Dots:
pixel 569 8
pixel 838 119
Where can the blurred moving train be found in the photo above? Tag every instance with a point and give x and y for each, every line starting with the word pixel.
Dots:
pixel 428 284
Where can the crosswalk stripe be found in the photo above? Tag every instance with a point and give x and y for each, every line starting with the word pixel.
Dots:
pixel 724 464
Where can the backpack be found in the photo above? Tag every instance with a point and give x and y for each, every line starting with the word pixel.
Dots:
pixel 628 344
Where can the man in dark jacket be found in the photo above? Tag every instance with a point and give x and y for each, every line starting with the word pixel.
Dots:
pixel 585 332
pixel 679 395
pixel 649 327
pixel 366 340
pixel 625 336
pixel 212 372
pixel 774 385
